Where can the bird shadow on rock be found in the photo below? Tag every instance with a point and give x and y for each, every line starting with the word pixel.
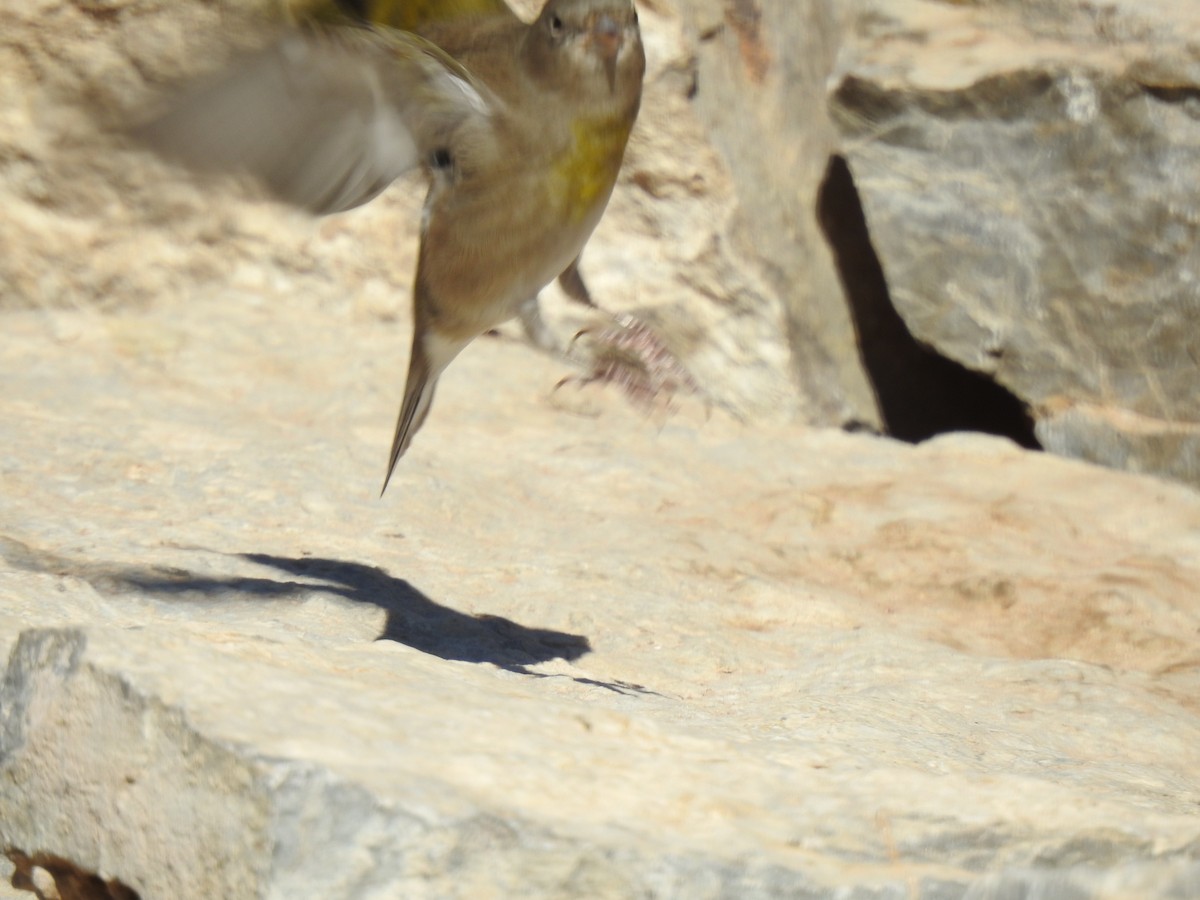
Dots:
pixel 418 622
pixel 413 619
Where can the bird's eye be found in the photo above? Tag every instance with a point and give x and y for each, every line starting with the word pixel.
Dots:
pixel 556 26
pixel 357 9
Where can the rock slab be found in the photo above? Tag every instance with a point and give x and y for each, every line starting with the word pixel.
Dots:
pixel 615 659
pixel 572 652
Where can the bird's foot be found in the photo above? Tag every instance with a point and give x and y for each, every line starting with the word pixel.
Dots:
pixel 627 353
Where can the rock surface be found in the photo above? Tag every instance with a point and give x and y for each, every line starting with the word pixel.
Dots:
pixel 1031 182
pixel 571 652
pixel 760 89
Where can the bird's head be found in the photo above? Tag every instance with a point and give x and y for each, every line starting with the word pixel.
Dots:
pixel 590 48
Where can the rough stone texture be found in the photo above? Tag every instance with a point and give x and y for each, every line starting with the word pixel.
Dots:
pixel 761 70
pixel 571 652
pixel 7 892
pixel 1031 181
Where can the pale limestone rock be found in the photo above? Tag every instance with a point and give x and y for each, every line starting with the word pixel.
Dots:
pixel 688 660
pixel 572 652
pixel 7 891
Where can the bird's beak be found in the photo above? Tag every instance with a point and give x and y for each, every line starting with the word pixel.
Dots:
pixel 608 37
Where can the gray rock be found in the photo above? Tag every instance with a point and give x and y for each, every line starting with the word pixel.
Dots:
pixel 570 652
pixel 1031 186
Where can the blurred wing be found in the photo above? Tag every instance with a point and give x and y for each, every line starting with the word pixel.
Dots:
pixel 409 15
pixel 413 15
pixel 327 119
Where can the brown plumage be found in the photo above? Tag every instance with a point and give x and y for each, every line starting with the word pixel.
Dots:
pixel 521 129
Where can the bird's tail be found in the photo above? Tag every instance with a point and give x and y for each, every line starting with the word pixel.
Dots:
pixel 431 353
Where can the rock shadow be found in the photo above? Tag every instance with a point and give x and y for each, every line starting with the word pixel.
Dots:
pixel 921 393
pixel 71 882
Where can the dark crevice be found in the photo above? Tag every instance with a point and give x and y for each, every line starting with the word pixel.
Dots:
pixel 71 882
pixel 1186 97
pixel 1172 93
pixel 921 393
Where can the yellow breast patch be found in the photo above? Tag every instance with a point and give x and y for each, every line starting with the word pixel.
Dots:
pixel 586 173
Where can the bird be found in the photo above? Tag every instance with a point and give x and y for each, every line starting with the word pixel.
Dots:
pixel 520 128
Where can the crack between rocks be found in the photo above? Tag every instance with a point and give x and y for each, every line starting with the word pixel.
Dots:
pixel 43 872
pixel 920 393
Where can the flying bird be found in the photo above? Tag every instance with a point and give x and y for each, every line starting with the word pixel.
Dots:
pixel 519 127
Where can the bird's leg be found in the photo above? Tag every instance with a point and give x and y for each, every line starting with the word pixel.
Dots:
pixel 536 330
pixel 571 281
pixel 535 327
